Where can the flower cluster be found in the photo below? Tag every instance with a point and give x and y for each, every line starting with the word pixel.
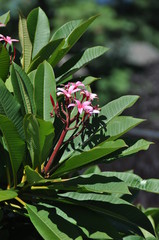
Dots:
pixel 8 40
pixel 76 97
pixel 84 104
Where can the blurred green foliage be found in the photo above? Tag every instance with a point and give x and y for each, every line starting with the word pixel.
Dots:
pixel 120 22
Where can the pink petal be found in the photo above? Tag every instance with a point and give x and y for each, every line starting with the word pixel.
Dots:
pixel 93 95
pixel 2 25
pixel 60 93
pixel 72 105
pixel 86 103
pixel 80 110
pixel 70 89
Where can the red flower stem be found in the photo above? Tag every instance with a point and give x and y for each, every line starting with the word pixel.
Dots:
pixel 53 155
pixel 48 167
pixel 14 54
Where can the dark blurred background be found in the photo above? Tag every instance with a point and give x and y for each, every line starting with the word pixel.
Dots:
pixel 130 28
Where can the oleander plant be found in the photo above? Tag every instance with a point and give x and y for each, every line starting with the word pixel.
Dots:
pixel 53 134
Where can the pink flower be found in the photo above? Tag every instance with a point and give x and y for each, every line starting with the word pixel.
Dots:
pixel 78 84
pixel 67 92
pixel 2 25
pixel 89 95
pixel 7 39
pixel 85 106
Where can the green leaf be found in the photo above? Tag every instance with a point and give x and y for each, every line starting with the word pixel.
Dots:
pixel 66 29
pixel 48 52
pixel 79 31
pixel 11 108
pixel 4 62
pixel 8 84
pixel 80 159
pixel 7 194
pixel 117 106
pixel 120 125
pixel 39 136
pixel 49 223
pixel 134 181
pixel 74 31
pixel 39 29
pixel 15 145
pixel 44 85
pixel 23 88
pixel 31 75
pixel 95 169
pixel 133 238
pixel 93 183
pixel 25 42
pixel 93 224
pixel 46 133
pixel 112 206
pixel 82 197
pixel 79 61
pixel 32 176
pixel 138 146
pixel 5 18
pixel 88 80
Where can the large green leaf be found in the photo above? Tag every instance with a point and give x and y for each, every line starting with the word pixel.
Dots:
pixel 79 31
pixel 80 159
pixel 39 136
pixel 84 197
pixel 25 42
pixel 65 30
pixel 39 29
pixel 49 223
pixel 79 61
pixel 112 206
pixel 48 53
pixel 92 183
pixel 11 108
pixel 44 85
pixel 134 181
pixel 138 146
pixel 7 194
pixel 15 145
pixel 93 224
pixel 23 88
pixel 5 18
pixel 4 62
pixel 117 106
pixel 120 125
pixel 131 237
pixel 74 31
